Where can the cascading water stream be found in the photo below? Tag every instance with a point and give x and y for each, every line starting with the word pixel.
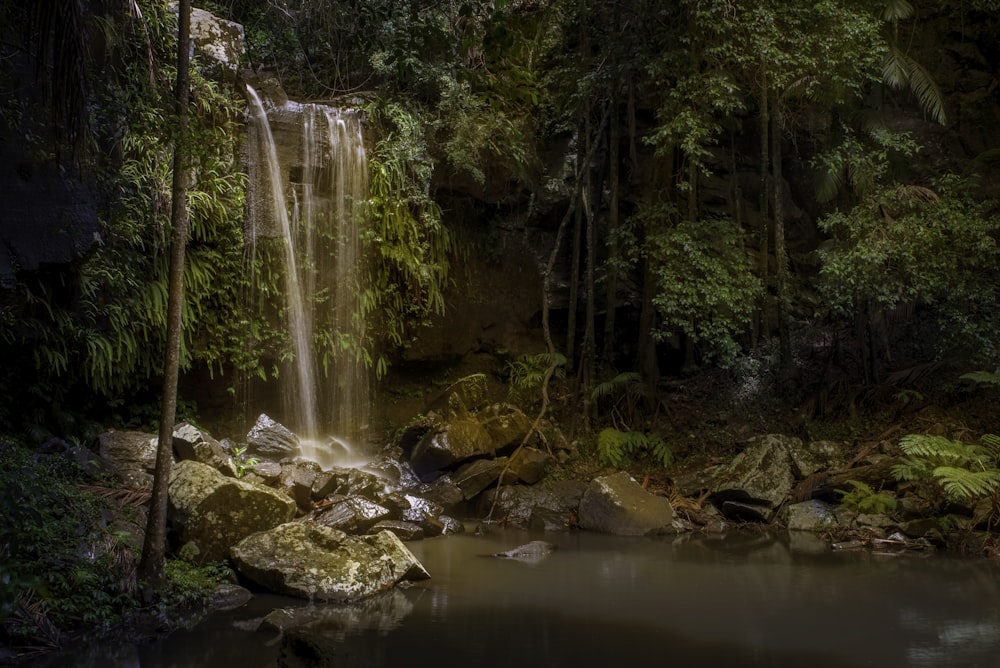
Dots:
pixel 304 191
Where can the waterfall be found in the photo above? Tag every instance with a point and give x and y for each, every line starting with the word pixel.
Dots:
pixel 305 193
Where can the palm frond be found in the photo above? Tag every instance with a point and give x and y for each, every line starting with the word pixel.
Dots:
pixel 627 381
pixel 901 71
pixel 897 10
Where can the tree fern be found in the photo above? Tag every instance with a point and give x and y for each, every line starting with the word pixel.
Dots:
pixel 983 377
pixel 961 484
pixel 965 471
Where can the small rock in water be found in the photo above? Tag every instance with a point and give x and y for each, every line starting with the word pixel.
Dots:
pixel 531 553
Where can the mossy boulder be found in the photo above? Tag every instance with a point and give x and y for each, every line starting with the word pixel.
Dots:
pixel 308 560
pixel 212 512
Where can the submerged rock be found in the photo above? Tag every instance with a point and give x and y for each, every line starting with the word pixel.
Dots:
pixel 311 561
pixel 532 553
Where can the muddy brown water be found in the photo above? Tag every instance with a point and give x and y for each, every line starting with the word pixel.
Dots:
pixel 735 600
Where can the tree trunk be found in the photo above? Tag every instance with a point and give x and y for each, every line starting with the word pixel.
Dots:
pixel 574 267
pixel 764 320
pixel 611 292
pixel 151 565
pixel 780 254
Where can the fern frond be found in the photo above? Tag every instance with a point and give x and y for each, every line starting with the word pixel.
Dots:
pixel 986 377
pixel 897 10
pixel 965 485
pixel 661 451
pixel 912 469
pixel 612 447
pixel 938 449
pixel 617 448
pixel 625 381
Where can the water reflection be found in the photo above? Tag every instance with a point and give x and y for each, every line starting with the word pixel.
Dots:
pixel 739 600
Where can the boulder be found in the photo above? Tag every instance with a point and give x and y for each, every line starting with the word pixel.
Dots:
pixel 530 464
pixel 268 439
pixel 442 491
pixel 190 442
pixel 507 426
pixel 449 444
pixel 218 39
pixel 617 504
pixel 354 514
pixel 212 512
pixel 475 476
pixel 228 596
pixel 517 503
pixel 760 478
pixel 404 530
pixel 543 519
pixel 813 515
pixel 296 480
pixel 315 562
pixel 131 455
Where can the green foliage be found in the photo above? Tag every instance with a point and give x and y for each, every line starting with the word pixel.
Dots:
pixel 526 372
pixel 623 397
pixel 189 585
pixel 242 461
pixel 406 233
pixel 861 164
pixel 473 133
pixel 864 499
pixel 705 286
pixel 983 377
pixel 99 333
pixel 621 448
pixel 907 243
pixel 965 471
pixel 65 564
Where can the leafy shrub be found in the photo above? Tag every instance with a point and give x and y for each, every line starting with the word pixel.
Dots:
pixel 65 566
pixel 864 499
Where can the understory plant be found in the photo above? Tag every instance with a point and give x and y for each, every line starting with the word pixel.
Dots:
pixel 965 472
pixel 526 372
pixel 622 448
pixel 64 565
pixel 69 550
pixel 863 499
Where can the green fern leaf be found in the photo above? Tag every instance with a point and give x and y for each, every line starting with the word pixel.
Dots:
pixel 964 485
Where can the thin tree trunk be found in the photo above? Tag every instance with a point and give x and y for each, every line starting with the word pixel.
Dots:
pixel 574 268
pixel 611 293
pixel 780 254
pixel 764 319
pixel 151 565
